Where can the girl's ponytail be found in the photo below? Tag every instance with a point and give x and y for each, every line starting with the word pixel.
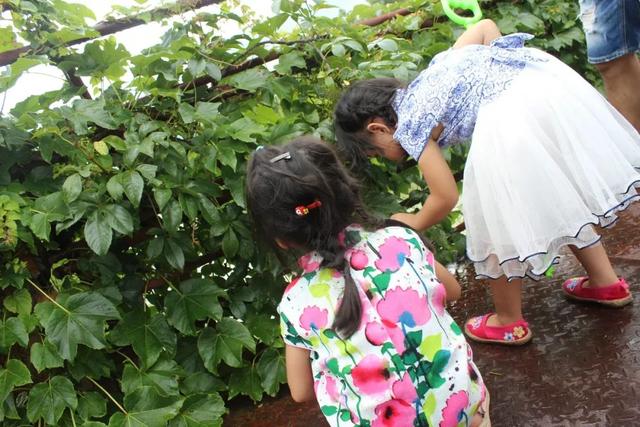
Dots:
pixel 281 182
pixel 349 314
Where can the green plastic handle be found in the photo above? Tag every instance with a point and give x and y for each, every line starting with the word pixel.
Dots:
pixel 449 7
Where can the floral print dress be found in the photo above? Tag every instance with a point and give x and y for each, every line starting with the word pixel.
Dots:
pixel 408 364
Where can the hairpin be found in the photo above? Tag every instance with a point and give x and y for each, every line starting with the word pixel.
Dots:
pixel 283 156
pixel 259 147
pixel 304 210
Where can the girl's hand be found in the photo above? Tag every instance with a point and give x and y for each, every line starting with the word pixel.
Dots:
pixel 484 32
pixel 409 219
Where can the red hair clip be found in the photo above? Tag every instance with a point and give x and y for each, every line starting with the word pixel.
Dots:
pixel 304 210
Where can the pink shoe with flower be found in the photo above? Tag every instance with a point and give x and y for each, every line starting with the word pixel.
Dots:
pixel 614 295
pixel 516 333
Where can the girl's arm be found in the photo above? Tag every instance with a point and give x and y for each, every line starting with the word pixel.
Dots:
pixel 443 191
pixel 450 283
pixel 484 32
pixel 299 375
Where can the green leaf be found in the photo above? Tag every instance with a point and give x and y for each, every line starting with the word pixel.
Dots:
pixel 146 408
pixel 289 60
pixel 245 381
pixel 249 80
pixel 149 334
pixel 92 405
pixel 154 249
pixel 213 71
pixel 207 111
pixel 78 319
pixel 230 244
pixel 530 21
pixel 162 196
pixel 11 74
pixel 45 356
pixel 97 233
pixel 72 188
pixel 224 343
pixel 200 410
pixel 119 219
pixel 18 302
pixel 388 45
pixel 338 49
pixel 116 142
pixel 13 375
pixel 85 111
pixel 48 400
pixel 187 112
pixel 174 254
pixel 162 377
pixel 115 188
pixel 101 147
pixel 40 226
pixel 12 331
pixel 133 186
pixel 272 371
pixel 195 299
pixel 172 216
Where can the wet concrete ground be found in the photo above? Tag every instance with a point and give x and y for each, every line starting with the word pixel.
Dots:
pixel 582 367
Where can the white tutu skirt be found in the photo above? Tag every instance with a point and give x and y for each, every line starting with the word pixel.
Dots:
pixel 549 158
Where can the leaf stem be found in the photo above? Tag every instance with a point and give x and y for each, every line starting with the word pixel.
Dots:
pixel 47 296
pixel 102 389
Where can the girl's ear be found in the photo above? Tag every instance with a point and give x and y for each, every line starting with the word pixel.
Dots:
pixel 378 125
pixel 282 245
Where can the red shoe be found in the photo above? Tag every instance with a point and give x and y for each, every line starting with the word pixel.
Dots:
pixel 516 333
pixel 615 295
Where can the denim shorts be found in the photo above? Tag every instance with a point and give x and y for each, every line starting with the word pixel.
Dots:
pixel 612 28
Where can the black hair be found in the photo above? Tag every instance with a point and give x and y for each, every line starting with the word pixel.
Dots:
pixel 311 172
pixel 361 102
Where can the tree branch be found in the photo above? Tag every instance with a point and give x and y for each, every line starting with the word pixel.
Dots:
pixel 105 28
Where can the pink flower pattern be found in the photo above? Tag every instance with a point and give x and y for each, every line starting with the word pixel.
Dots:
pixel 392 254
pixel 313 318
pixel 373 376
pixel 452 413
pixel 405 306
pixel 394 413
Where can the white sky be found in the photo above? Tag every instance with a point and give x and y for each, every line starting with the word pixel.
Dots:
pixel 44 78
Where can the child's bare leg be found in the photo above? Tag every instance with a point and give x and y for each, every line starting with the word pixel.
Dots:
pixel 507 299
pixel 595 261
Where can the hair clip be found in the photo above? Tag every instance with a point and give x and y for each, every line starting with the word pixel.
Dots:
pixel 283 156
pixel 304 210
pixel 259 147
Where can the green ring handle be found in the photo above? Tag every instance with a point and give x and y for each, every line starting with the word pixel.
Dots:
pixel 449 7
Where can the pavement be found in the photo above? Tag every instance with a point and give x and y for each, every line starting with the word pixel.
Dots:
pixel 582 367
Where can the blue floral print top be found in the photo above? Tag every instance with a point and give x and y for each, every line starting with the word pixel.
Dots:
pixel 408 364
pixel 454 86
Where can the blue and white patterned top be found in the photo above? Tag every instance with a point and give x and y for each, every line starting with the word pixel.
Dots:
pixel 451 90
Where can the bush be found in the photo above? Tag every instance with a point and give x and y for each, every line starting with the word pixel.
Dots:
pixel 133 291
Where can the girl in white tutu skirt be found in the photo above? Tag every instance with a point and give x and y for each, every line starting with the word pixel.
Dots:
pixel 550 158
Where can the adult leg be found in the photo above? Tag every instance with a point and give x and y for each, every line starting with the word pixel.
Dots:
pixel 621 78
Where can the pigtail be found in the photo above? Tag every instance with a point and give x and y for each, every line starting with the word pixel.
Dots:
pixel 301 194
pixel 349 314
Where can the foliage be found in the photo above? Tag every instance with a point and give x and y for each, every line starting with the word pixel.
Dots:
pixel 133 292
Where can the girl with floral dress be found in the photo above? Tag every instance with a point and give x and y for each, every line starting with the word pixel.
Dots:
pixel 365 325
pixel 549 158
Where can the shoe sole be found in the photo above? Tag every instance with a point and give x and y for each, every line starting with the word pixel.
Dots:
pixel 518 342
pixel 615 303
